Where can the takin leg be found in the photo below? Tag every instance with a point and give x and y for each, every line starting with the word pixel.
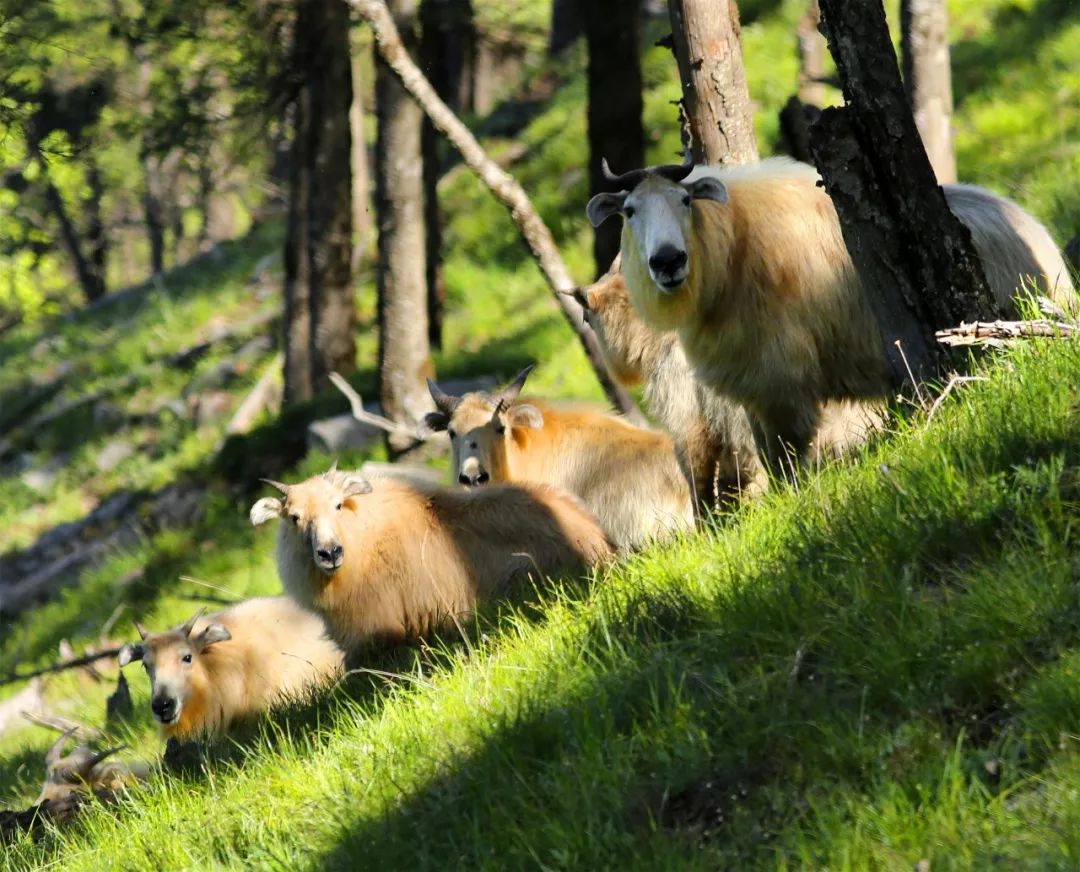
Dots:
pixel 783 432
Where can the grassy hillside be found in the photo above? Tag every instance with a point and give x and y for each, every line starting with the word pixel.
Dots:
pixel 878 668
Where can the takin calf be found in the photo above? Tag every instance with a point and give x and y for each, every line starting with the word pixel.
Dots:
pixel 387 559
pixel 86 771
pixel 214 671
pixel 628 477
pixel 748 266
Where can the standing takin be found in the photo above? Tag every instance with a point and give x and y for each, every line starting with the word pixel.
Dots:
pixel 748 266
pixel 214 671
pixel 387 559
pixel 627 476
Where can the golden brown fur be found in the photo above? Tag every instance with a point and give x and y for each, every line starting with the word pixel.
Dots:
pixel 274 651
pixel 627 476
pixel 413 557
pixel 772 313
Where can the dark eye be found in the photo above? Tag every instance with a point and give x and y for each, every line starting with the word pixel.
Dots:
pixel 296 520
pixel 186 658
pixel 338 507
pixel 686 200
pixel 500 429
pixel 628 211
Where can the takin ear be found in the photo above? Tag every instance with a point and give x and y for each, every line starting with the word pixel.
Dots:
pixel 213 633
pixel 525 416
pixel 130 652
pixel 265 510
pixel 434 422
pixel 355 486
pixel 603 206
pixel 708 188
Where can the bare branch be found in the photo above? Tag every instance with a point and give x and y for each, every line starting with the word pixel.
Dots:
pixel 953 382
pixel 81 732
pixel 356 404
pixel 998 333
pixel 73 663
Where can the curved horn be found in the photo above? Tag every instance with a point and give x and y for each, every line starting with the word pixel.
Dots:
pixel 101 755
pixel 142 632
pixel 511 391
pixel 624 181
pixel 332 471
pixel 443 401
pixel 675 172
pixel 189 625
pixel 52 756
pixel 284 488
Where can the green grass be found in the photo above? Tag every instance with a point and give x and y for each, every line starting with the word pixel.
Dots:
pixel 877 668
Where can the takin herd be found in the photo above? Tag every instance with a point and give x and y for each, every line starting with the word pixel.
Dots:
pixel 734 303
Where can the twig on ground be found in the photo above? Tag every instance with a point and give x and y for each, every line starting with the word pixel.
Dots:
pixel 953 382
pixel 356 404
pixel 997 334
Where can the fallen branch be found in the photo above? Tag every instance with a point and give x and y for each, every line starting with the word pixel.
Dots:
pixel 262 396
pixel 953 382
pixel 62 725
pixel 997 334
pixel 73 663
pixel 356 404
pixel 505 187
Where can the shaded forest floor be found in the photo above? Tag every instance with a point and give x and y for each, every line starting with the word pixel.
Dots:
pixel 878 668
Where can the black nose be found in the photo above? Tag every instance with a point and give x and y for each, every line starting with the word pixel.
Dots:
pixel 330 555
pixel 480 478
pixel 667 260
pixel 163 707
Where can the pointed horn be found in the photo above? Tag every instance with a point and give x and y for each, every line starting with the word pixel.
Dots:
pixel 444 402
pixel 284 488
pixel 142 632
pixel 623 181
pixel 675 172
pixel 511 391
pixel 332 471
pixel 101 755
pixel 189 625
pixel 52 756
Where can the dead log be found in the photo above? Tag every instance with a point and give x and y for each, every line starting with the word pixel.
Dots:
pixel 266 394
pixel 997 334
pixel 34 819
pixel 505 187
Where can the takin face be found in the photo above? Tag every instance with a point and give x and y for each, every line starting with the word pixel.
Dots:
pixel 171 660
pixel 78 771
pixel 312 515
pixel 480 427
pixel 656 205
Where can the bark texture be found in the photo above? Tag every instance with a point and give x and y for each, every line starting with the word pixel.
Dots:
pixel 404 354
pixel 361 194
pixel 716 102
pixel 913 253
pixel 924 43
pixel 319 313
pixel 533 231
pixel 612 32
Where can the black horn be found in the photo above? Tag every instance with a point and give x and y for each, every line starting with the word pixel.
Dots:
pixel 101 755
pixel 624 181
pixel 189 625
pixel 52 757
pixel 675 172
pixel 443 401
pixel 141 629
pixel 510 393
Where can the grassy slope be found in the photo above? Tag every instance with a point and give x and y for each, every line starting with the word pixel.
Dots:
pixel 825 679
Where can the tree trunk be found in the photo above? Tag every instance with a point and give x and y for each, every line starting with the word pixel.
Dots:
pixel 914 254
pixel 924 42
pixel 361 195
pixel 153 217
pixel 716 102
pixel 404 356
pixel 811 57
pixel 566 24
pixel 96 238
pixel 614 109
pixel 319 313
pixel 505 188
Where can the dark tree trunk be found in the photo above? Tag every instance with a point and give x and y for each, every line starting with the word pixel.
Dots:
pixel 614 109
pixel 319 313
pixel 152 214
pixel 924 42
pixel 906 244
pixel 716 102
pixel 96 238
pixel 404 357
pixel 566 24
pixel 69 236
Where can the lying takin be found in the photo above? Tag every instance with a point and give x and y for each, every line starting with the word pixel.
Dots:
pixel 748 265
pixel 713 436
pixel 387 559
pixel 214 671
pixel 627 476
pixel 86 771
